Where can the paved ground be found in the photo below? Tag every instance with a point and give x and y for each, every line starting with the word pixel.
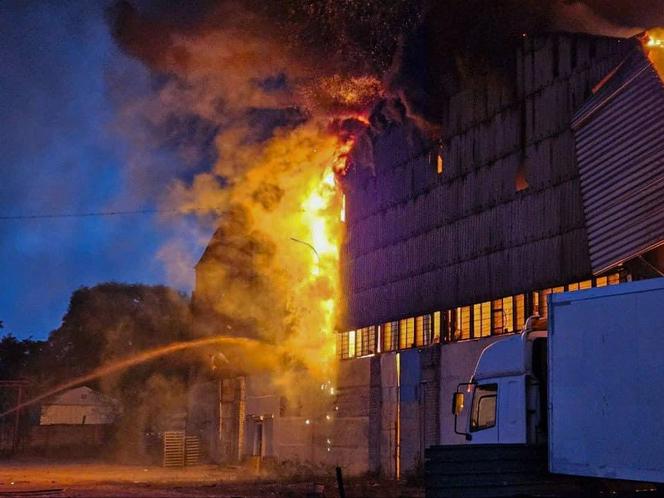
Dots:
pixel 42 479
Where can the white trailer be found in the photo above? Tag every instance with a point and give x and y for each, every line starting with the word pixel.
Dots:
pixel 606 382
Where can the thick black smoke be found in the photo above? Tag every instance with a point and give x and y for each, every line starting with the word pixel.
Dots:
pixel 412 45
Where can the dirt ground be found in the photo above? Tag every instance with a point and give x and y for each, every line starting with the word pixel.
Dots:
pixel 96 480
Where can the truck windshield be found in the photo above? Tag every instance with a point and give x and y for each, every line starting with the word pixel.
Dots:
pixel 484 407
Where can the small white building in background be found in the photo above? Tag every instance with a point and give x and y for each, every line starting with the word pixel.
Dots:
pixel 79 406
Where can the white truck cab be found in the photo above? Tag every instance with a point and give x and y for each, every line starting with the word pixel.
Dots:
pixel 588 392
pixel 507 390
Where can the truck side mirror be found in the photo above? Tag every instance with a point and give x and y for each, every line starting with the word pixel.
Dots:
pixel 457 403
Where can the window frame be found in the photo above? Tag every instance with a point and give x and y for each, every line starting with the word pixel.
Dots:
pixel 477 405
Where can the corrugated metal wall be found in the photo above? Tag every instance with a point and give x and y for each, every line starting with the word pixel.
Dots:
pixel 620 147
pixel 418 241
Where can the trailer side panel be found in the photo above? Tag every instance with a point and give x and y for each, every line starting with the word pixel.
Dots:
pixel 606 382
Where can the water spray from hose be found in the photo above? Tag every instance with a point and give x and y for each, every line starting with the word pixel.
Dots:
pixel 132 361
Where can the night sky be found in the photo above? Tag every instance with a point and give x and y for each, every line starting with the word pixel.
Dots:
pixel 61 152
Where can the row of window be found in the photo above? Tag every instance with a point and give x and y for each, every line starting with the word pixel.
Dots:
pixel 500 316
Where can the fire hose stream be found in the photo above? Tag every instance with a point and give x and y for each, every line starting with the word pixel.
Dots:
pixel 132 361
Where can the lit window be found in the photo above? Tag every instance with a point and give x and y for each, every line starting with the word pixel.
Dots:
pixel 586 284
pixel 390 336
pixel 543 308
pixel 423 330
pixel 462 325
pixel 614 279
pixel 406 333
pixel 436 326
pixel 439 163
pixel 387 337
pixel 379 339
pixel 482 319
pixel 520 312
pixel 365 341
pixel 343 345
pixel 601 281
pixel 371 339
pixel 351 344
pixel 342 214
pixel 503 315
pixel 361 342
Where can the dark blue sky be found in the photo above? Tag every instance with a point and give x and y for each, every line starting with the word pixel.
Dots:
pixel 59 153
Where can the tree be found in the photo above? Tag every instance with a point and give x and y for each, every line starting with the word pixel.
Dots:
pixel 113 321
pixel 17 356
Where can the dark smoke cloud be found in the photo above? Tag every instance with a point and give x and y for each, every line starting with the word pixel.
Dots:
pixel 414 46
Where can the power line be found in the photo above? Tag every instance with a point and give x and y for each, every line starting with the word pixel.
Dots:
pixel 91 214
pixel 42 216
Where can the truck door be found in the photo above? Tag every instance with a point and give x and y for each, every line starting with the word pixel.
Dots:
pixel 498 411
pixel 512 410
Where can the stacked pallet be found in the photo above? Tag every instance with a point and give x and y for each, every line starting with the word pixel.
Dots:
pixel 174 449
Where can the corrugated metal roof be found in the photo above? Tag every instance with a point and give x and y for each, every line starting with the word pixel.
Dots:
pixel 619 135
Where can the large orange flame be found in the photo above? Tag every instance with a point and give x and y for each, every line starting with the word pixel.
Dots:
pixel 300 222
pixel 654 45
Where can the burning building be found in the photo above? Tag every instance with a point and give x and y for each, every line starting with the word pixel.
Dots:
pixel 547 178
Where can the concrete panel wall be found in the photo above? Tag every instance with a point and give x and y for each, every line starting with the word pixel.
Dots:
pixel 293 439
pixel 410 411
pixel 389 411
pixel 388 415
pixel 350 433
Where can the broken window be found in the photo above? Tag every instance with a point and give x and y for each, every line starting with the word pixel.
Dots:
pixel 520 180
pixel 365 341
pixel 503 315
pixel 440 164
pixel 520 312
pixel 423 331
pixel 462 323
pixel 436 156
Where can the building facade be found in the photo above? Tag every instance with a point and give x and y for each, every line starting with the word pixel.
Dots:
pixel 451 245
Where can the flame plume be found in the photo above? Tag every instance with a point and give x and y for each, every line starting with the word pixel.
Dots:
pixel 654 45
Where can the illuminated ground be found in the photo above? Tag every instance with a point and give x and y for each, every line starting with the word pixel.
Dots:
pixel 37 479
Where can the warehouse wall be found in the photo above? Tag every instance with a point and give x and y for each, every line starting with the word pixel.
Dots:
pixel 418 241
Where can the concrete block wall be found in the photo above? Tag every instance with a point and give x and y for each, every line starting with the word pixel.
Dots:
pixel 388 411
pixel 350 438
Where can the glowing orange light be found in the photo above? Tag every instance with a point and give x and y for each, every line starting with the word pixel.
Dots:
pixel 653 44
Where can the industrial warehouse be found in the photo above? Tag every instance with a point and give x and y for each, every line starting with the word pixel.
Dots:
pixel 321 248
pixel 547 179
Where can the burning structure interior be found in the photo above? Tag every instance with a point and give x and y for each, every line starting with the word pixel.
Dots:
pixel 548 178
